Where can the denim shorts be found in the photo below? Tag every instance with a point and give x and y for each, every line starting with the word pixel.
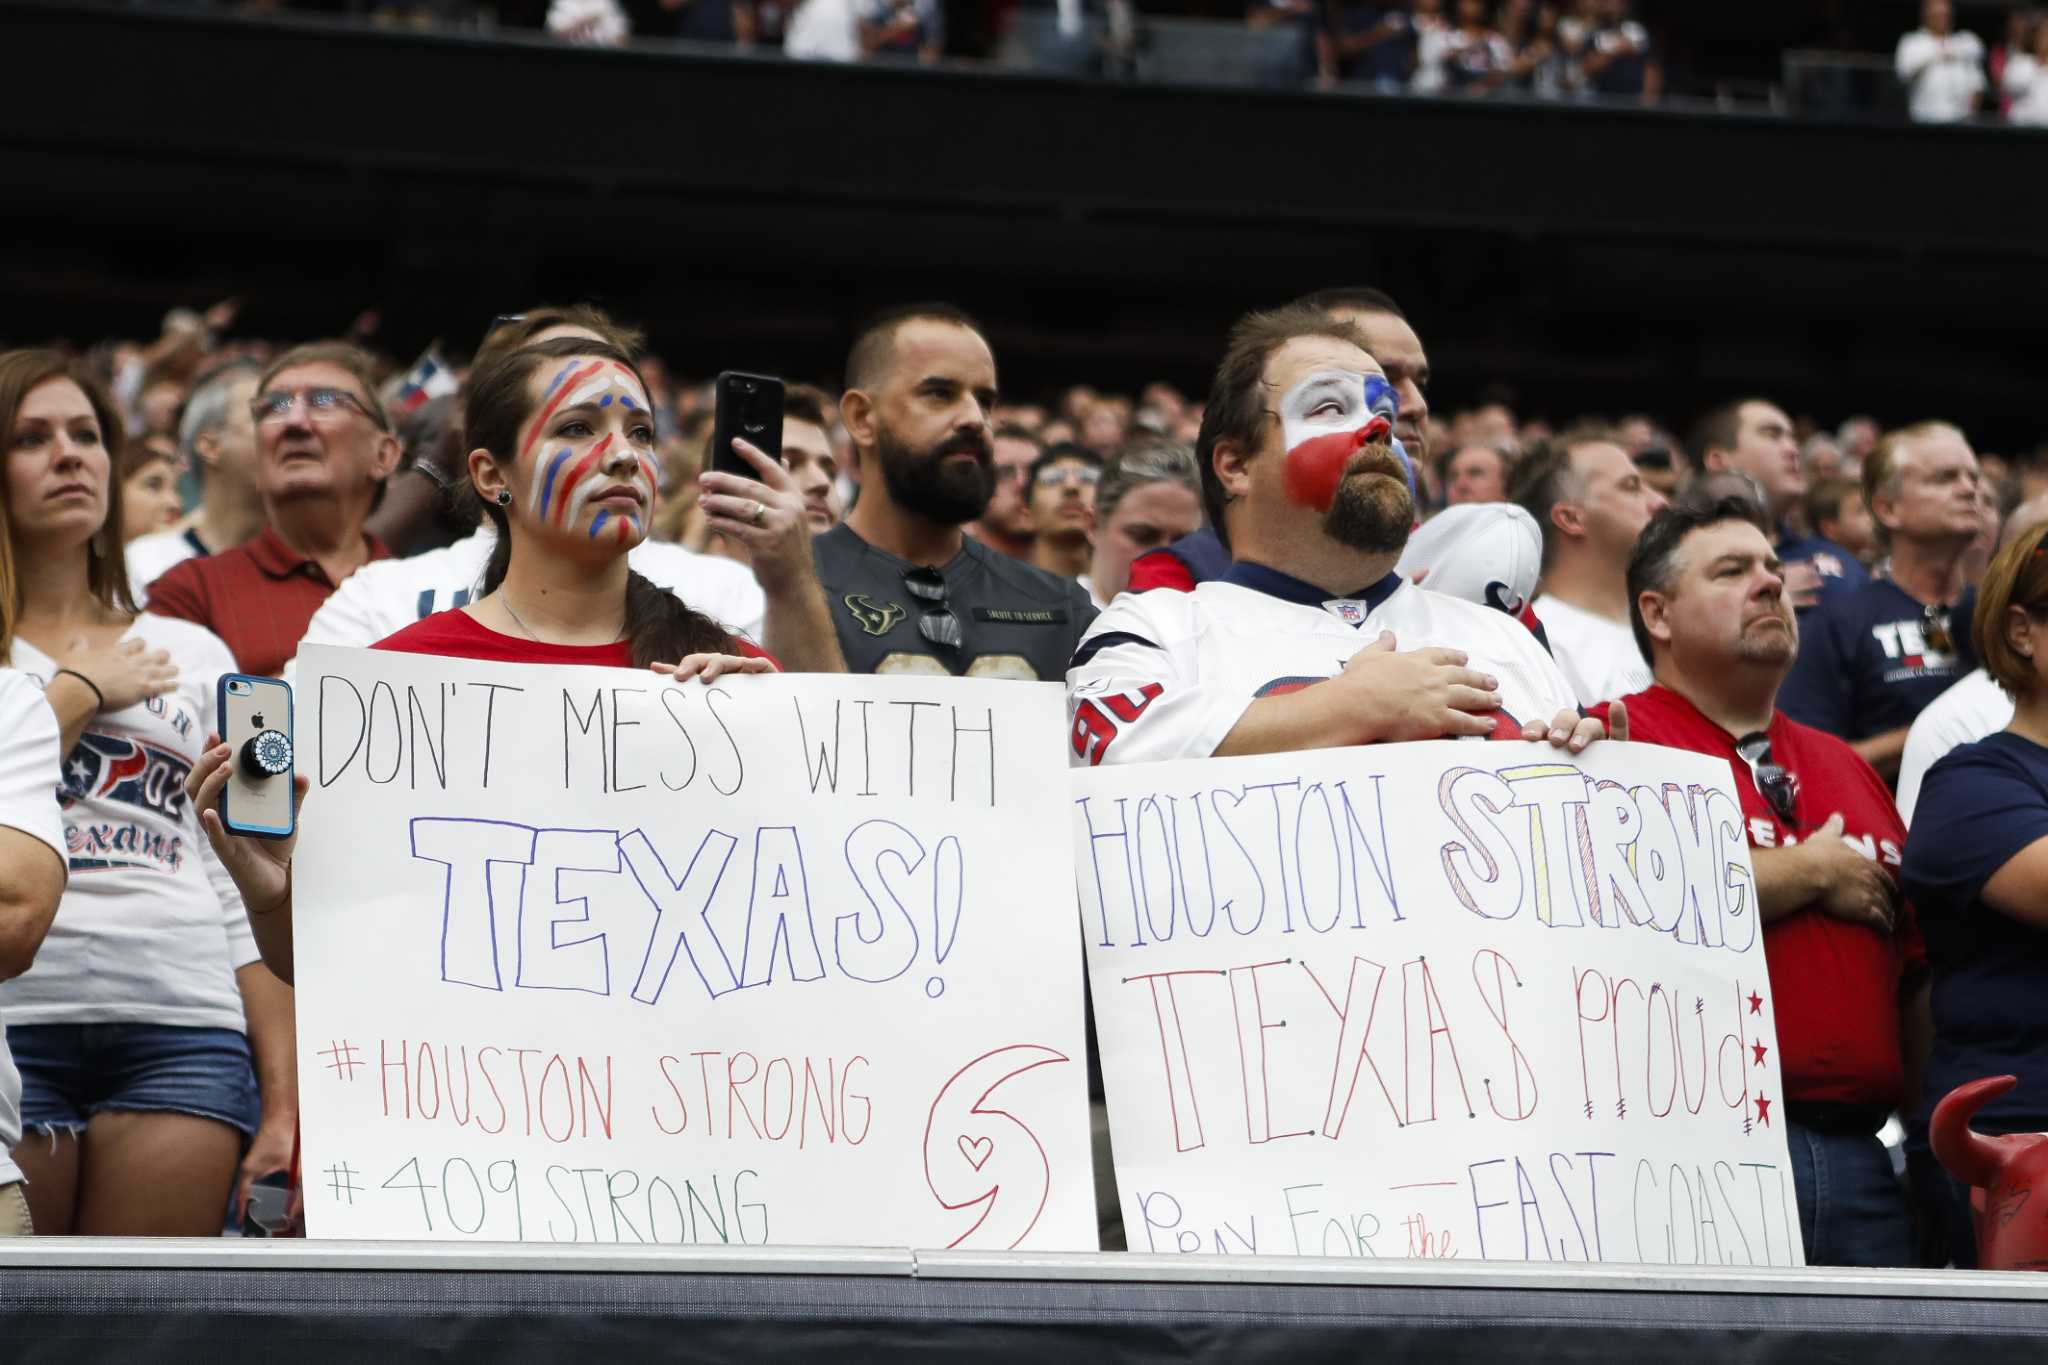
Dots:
pixel 69 1072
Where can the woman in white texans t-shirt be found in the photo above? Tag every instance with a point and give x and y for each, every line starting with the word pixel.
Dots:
pixel 132 1029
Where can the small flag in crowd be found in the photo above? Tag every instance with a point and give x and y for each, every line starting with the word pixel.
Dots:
pixel 430 377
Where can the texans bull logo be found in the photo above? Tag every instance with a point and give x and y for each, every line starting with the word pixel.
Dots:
pixel 876 618
pixel 110 768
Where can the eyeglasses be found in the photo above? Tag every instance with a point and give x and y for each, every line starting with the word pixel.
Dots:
pixel 1087 475
pixel 323 402
pixel 1934 630
pixel 936 623
pixel 1777 785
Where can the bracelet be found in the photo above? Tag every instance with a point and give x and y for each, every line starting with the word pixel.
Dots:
pixel 98 695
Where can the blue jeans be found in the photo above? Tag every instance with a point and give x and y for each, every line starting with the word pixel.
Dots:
pixel 1851 1208
pixel 69 1072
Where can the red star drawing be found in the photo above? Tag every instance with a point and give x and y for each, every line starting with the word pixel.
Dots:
pixel 1756 1003
pixel 1759 1049
pixel 1763 1110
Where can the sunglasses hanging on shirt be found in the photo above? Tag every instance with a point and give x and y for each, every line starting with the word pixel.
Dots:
pixel 936 621
pixel 1934 630
pixel 1774 782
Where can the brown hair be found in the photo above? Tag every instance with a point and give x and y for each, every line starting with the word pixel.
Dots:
pixel 343 355
pixel 875 346
pixel 1825 499
pixel 1236 410
pixel 807 403
pixel 1881 468
pixel 660 625
pixel 137 455
pixel 106 572
pixel 515 332
pixel 2018 577
pixel 1543 478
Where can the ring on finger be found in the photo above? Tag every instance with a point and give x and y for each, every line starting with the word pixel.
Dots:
pixel 759 514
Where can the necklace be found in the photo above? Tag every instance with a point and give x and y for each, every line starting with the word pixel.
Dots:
pixel 506 602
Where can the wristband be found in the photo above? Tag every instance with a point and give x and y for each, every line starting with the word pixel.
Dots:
pixel 98 695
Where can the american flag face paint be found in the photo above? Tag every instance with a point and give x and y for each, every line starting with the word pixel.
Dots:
pixel 594 433
pixel 1325 420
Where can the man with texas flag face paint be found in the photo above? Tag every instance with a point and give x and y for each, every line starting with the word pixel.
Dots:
pixel 1310 639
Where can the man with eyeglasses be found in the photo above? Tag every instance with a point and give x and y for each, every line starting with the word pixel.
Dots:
pixel 324 451
pixel 907 589
pixel 1875 656
pixel 1005 524
pixel 1709 610
pixel 1062 497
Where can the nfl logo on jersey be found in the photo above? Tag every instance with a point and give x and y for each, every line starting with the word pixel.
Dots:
pixel 1350 613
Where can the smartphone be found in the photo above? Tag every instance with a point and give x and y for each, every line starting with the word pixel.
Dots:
pixel 749 407
pixel 255 717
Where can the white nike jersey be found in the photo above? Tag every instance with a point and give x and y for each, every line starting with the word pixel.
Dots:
pixel 1165 675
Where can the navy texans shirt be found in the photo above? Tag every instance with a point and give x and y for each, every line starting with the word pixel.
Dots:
pixel 1867 663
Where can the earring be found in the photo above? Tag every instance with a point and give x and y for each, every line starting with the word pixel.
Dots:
pixel 504 497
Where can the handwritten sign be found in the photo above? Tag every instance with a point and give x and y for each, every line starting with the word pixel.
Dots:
pixel 584 955
pixel 1435 1000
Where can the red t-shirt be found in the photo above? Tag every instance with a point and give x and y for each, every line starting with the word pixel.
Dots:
pixel 456 634
pixel 1835 984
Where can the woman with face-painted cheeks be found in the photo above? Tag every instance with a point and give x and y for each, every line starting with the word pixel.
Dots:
pixel 563 457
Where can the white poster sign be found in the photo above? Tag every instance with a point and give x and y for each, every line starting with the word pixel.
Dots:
pixel 1435 1000
pixel 585 955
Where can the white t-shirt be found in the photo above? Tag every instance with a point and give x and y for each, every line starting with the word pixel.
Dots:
pixel 1597 655
pixel 151 929
pixel 28 802
pixel 1434 41
pixel 1973 707
pixel 1941 74
pixel 148 556
pixel 589 21
pixel 1165 675
pixel 388 595
pixel 2026 85
pixel 823 31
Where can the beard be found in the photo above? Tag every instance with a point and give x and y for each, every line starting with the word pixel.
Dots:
pixel 1373 510
pixel 1759 645
pixel 932 485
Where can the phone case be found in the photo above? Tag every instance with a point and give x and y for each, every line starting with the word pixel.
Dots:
pixel 749 406
pixel 255 716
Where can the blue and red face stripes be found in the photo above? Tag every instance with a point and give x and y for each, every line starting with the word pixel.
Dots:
pixel 567 475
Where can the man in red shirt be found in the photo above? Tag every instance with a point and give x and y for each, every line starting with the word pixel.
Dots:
pixel 1708 606
pixel 325 449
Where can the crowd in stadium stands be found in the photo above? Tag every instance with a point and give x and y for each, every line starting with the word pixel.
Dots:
pixel 1544 49
pixel 1854 618
pixel 1949 76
